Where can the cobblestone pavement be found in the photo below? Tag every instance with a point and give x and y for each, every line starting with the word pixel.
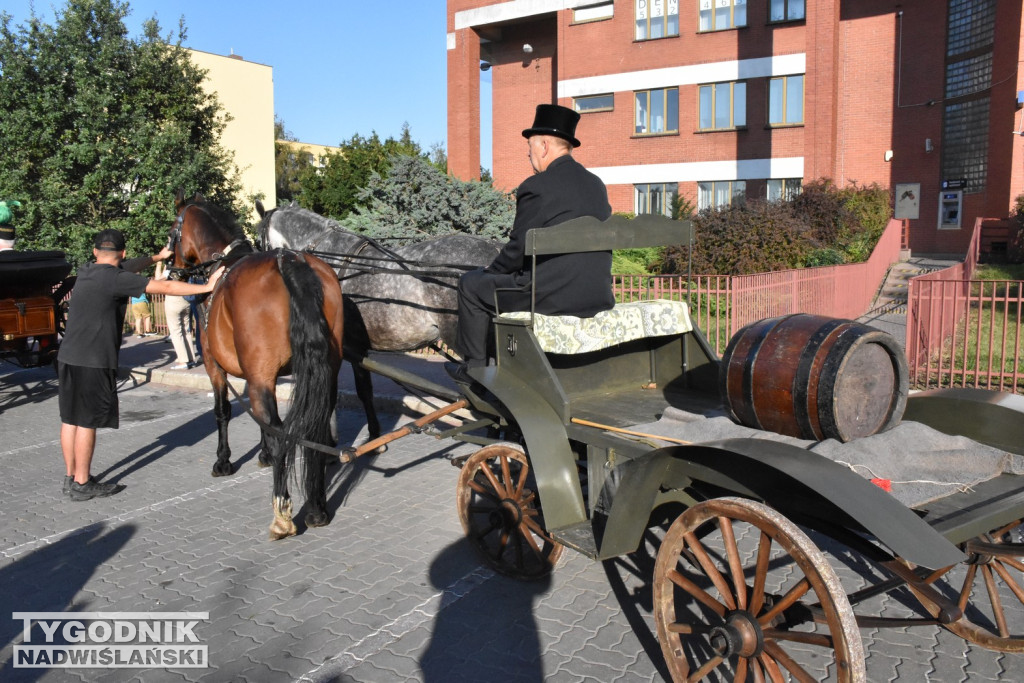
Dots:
pixel 390 591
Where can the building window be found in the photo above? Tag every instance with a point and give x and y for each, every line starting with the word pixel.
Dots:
pixel 786 101
pixel 720 194
pixel 786 10
pixel 656 18
pixel 784 189
pixel 595 12
pixel 655 198
pixel 657 111
pixel 592 103
pixel 722 106
pixel 719 15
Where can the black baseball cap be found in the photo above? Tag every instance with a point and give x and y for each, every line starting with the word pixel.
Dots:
pixel 110 239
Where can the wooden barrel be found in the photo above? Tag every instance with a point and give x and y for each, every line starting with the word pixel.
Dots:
pixel 814 377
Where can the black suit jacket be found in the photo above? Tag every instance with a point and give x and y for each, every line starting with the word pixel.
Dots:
pixel 567 284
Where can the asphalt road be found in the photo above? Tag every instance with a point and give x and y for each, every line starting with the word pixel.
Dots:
pixel 390 591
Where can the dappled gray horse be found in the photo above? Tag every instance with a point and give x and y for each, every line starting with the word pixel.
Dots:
pixel 399 299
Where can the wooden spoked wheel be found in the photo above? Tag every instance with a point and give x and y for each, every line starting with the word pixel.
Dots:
pixel 742 593
pixel 991 590
pixel 500 513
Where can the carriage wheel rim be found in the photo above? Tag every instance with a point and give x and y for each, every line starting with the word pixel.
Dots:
pixel 770 656
pixel 988 571
pixel 492 487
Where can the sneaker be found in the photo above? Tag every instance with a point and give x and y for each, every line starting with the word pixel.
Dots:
pixel 182 366
pixel 66 488
pixel 93 489
pixel 140 336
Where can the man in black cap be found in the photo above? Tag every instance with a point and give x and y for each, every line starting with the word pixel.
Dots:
pixel 566 284
pixel 87 360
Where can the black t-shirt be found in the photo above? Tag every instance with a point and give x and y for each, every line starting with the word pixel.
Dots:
pixel 96 315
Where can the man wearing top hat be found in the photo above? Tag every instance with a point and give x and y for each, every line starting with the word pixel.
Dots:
pixel 566 284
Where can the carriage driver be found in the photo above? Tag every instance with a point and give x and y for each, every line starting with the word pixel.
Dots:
pixel 87 359
pixel 567 284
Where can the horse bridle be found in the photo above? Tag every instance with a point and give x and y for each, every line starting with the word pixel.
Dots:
pixel 205 268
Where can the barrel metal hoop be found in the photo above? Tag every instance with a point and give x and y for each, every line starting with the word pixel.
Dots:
pixel 810 427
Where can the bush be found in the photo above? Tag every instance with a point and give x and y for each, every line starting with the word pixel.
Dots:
pixel 636 261
pixel 751 238
pixel 821 226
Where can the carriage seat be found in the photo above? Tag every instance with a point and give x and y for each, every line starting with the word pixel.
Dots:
pixel 623 323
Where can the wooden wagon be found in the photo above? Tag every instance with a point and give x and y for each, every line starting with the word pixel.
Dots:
pixel 577 452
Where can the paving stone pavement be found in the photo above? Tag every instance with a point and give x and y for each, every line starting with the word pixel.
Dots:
pixel 389 591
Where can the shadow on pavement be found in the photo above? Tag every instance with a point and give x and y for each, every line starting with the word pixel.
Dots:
pixel 48 579
pixel 484 626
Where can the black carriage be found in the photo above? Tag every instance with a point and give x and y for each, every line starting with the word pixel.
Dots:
pixel 576 453
pixel 34 286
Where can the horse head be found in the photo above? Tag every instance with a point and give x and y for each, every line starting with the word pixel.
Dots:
pixel 201 234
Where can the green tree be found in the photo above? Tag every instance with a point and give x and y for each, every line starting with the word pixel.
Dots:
pixel 414 199
pixel 333 190
pixel 289 165
pixel 100 129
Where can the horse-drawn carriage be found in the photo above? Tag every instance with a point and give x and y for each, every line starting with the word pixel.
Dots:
pixel 593 432
pixel 33 289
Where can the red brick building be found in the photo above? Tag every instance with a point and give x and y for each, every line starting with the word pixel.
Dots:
pixel 713 99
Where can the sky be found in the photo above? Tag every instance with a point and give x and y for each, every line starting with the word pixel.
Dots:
pixel 341 67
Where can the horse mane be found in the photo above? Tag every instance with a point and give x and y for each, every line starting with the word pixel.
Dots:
pixel 226 220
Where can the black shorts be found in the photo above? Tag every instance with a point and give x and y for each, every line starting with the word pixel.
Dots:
pixel 87 396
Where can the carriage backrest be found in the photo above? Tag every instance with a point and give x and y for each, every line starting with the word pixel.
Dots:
pixel 618 232
pixel 592 234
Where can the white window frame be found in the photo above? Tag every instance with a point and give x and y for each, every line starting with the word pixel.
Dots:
pixel 737 119
pixel 714 188
pixel 642 198
pixel 647 127
pixel 710 13
pixel 787 83
pixel 654 12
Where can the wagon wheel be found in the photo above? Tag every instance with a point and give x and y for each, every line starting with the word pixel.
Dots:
pixel 995 560
pixel 500 513
pixel 789 599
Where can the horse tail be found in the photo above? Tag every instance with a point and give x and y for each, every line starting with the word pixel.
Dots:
pixel 312 407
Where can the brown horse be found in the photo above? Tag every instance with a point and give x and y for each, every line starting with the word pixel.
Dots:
pixel 271 314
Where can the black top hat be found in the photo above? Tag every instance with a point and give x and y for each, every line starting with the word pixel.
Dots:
pixel 6 232
pixel 110 239
pixel 553 119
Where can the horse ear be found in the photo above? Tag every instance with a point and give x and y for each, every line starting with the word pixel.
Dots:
pixel 260 210
pixel 199 198
pixel 179 198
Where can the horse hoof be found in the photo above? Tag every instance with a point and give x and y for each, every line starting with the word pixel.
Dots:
pixel 223 470
pixel 279 531
pixel 317 519
pixel 263 463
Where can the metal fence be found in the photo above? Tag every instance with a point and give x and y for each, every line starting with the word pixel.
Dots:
pixel 963 332
pixel 722 304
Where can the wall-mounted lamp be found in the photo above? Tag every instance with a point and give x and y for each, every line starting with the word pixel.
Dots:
pixel 887 156
pixel 527 48
pixel 485 66
pixel 928 146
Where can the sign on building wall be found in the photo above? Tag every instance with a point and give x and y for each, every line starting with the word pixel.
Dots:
pixel 908 201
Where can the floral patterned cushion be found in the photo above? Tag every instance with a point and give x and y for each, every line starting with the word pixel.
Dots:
pixel 625 322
